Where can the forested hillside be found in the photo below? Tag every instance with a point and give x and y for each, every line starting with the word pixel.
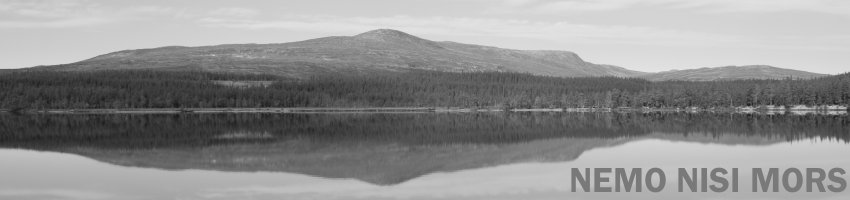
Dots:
pixel 377 51
pixel 157 89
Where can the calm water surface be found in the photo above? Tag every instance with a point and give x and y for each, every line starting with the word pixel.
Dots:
pixel 397 156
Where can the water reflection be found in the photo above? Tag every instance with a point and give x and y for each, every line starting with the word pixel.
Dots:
pixel 386 149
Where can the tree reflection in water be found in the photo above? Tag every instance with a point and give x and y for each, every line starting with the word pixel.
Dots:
pixel 385 148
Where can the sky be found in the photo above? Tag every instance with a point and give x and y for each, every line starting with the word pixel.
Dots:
pixel 644 35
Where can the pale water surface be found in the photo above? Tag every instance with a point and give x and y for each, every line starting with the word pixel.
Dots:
pixel 397 156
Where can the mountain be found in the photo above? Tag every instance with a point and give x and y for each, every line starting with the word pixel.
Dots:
pixel 730 73
pixel 387 51
pixel 375 51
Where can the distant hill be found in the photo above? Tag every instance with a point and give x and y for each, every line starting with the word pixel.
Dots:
pixel 730 73
pixel 375 51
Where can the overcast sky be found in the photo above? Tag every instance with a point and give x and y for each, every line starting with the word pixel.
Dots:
pixel 645 35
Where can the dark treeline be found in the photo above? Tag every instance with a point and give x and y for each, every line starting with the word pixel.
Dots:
pixel 124 89
pixel 150 89
pixel 127 131
pixel 190 130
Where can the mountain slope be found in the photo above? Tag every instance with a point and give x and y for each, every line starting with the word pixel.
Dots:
pixel 375 51
pixel 730 73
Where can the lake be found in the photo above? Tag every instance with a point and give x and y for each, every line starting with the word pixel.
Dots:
pixel 492 155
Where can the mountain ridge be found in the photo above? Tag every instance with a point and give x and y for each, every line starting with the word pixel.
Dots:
pixel 386 51
pixel 382 50
pixel 730 73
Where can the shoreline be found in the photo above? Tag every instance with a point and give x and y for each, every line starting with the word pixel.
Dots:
pixel 407 110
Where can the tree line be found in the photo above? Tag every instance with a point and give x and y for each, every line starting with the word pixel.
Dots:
pixel 195 89
pixel 129 131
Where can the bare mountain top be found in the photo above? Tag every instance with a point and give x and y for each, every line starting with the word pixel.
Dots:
pixel 730 73
pixel 382 50
pixel 392 36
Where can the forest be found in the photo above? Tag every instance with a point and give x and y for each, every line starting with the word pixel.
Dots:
pixel 195 89
pixel 132 131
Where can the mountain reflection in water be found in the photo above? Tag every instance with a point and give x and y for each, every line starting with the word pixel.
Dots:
pixel 385 149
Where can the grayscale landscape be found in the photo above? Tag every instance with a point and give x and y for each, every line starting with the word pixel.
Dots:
pixel 424 100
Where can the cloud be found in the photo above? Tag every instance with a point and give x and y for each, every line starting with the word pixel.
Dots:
pixel 838 7
pixel 73 13
pixel 51 14
pixel 53 194
pixel 85 13
pixel 234 12
pixel 62 23
pixel 49 9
